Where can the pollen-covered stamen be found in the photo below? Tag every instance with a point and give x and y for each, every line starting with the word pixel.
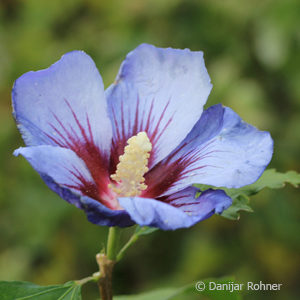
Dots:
pixel 133 164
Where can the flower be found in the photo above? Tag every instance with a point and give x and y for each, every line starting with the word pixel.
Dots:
pixel 132 153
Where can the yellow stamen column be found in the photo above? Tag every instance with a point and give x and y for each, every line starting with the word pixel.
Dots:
pixel 129 176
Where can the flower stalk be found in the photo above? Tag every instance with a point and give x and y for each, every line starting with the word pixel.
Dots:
pixel 113 242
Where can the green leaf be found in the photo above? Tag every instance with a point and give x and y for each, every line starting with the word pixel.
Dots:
pixel 189 291
pixel 18 290
pixel 144 230
pixel 240 203
pixel 269 179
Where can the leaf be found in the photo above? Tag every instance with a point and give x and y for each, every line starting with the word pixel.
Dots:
pixel 18 290
pixel 190 291
pixel 269 179
pixel 144 230
pixel 241 203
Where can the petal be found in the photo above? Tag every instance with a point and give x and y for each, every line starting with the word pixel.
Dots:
pixel 208 203
pixel 66 174
pixel 151 212
pixel 221 150
pixel 63 105
pixel 62 168
pixel 101 215
pixel 160 91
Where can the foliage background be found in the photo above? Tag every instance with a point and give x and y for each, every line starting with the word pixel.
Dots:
pixel 252 55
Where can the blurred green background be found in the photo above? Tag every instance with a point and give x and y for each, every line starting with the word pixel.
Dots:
pixel 252 54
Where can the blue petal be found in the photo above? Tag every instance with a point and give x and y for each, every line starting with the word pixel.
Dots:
pixel 166 216
pixel 209 202
pixel 101 215
pixel 59 168
pixel 221 150
pixel 63 103
pixel 160 91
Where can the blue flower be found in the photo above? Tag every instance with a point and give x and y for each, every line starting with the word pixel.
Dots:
pixel 131 154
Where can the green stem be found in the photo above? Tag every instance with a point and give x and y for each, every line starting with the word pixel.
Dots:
pixel 94 277
pixel 131 241
pixel 113 242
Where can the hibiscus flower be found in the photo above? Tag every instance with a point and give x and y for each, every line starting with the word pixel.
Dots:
pixel 132 153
